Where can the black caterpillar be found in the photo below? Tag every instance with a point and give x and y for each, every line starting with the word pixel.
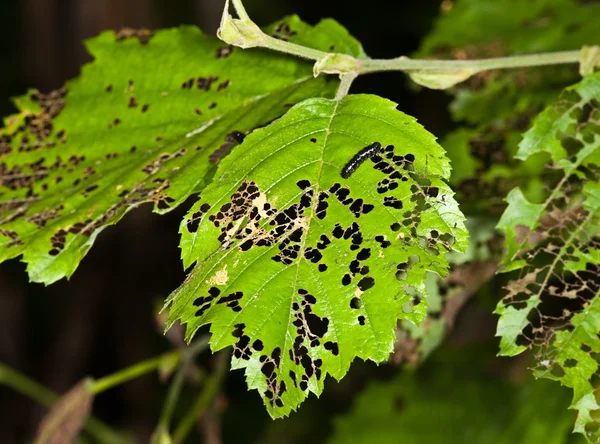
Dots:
pixel 359 158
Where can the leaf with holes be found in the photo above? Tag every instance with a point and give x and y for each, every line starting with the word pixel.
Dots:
pixel 147 121
pixel 554 304
pixel 469 272
pixel 301 269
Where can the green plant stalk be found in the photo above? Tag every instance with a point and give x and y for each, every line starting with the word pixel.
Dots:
pixel 367 65
pixel 28 387
pixel 345 84
pixel 134 372
pixel 270 42
pixel 239 8
pixel 210 390
pixel 520 61
pixel 164 423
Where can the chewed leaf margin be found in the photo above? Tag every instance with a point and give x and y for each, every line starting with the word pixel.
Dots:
pixel 301 270
pixel 552 306
pixel 468 273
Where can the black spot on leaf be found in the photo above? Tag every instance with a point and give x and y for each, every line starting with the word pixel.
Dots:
pixel 356 303
pixel 332 347
pixel 366 283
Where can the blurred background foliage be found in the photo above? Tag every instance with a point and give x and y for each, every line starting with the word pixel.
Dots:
pixel 104 318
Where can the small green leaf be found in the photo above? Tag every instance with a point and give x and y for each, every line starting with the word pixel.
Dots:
pixel 590 60
pixel 302 270
pixel 546 134
pixel 520 217
pixel 439 79
pixel 243 33
pixel 335 64
pixel 147 122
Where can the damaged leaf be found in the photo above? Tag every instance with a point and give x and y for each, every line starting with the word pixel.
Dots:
pixel 146 122
pixel 468 273
pixel 553 306
pixel 302 270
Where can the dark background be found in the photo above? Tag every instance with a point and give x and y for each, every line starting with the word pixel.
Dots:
pixel 103 318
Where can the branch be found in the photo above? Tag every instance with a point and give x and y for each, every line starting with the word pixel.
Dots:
pixel 210 390
pixel 161 434
pixel 436 74
pixel 345 84
pixel 135 371
pixel 520 61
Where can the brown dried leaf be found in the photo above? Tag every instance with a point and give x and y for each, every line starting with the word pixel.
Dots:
pixel 66 418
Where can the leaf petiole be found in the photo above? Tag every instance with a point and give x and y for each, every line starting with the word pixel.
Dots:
pixel 162 429
pixel 210 390
pixel 135 371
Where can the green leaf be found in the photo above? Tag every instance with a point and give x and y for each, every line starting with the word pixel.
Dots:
pixel 519 215
pixel 553 305
pixel 302 270
pixel 446 296
pixel 146 122
pixel 439 79
pixel 590 60
pixel 455 402
pixel 243 33
pixel 546 135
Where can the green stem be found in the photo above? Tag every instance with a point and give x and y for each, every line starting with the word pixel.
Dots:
pixel 521 61
pixel 28 387
pixel 210 390
pixel 345 64
pixel 239 8
pixel 190 353
pixel 345 84
pixel 134 371
pixel 274 44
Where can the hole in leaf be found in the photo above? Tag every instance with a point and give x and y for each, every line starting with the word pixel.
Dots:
pixel 366 283
pixel 570 363
pixel 356 303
